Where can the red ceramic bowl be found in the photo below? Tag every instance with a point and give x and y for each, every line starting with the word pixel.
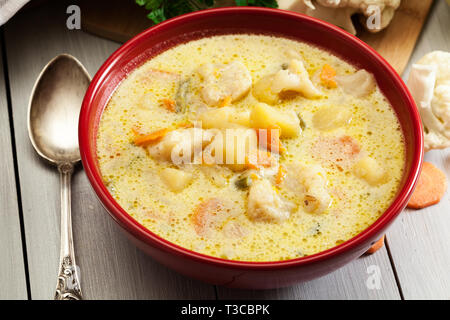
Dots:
pixel 257 21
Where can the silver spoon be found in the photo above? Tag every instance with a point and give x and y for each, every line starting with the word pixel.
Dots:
pixel 53 129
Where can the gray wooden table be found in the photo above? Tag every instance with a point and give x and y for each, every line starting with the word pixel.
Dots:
pixel 414 264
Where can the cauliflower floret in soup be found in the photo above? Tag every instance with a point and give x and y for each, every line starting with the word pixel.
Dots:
pixel 231 81
pixel 264 204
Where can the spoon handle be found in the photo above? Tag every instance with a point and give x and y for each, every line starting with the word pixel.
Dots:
pixel 68 285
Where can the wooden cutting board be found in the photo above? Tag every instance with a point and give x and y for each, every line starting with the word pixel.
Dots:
pixel 120 20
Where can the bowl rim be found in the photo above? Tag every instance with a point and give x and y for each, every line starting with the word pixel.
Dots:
pixel 89 159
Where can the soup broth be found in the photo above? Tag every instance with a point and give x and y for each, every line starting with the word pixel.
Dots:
pixel 328 161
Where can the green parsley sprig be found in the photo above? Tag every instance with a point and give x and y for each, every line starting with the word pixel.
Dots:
pixel 161 10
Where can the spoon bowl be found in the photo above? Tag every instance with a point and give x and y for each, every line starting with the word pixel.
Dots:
pixel 53 114
pixel 54 109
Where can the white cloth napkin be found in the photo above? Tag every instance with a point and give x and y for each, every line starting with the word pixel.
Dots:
pixel 8 8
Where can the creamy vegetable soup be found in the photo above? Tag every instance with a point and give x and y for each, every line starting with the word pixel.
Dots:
pixel 251 147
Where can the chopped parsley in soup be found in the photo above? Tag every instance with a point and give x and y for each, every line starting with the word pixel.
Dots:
pixel 251 147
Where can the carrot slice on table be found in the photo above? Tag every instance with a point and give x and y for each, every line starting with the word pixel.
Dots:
pixel 430 187
pixel 327 76
pixel 144 140
pixel 376 246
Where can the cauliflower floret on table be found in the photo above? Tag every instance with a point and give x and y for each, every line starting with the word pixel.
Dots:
pixel 339 12
pixel 221 82
pixel 429 83
pixel 368 9
pixel 264 204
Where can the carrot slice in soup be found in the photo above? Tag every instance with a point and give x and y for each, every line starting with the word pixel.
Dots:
pixel 430 187
pixel 327 76
pixel 280 175
pixel 204 214
pixel 185 124
pixel 270 139
pixel 169 104
pixel 258 158
pixel 144 140
pixel 163 72
pixel 226 101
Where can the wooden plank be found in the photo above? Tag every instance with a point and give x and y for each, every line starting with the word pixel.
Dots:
pixel 111 267
pixel 348 282
pixel 119 21
pixel 116 20
pixel 12 271
pixel 420 240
